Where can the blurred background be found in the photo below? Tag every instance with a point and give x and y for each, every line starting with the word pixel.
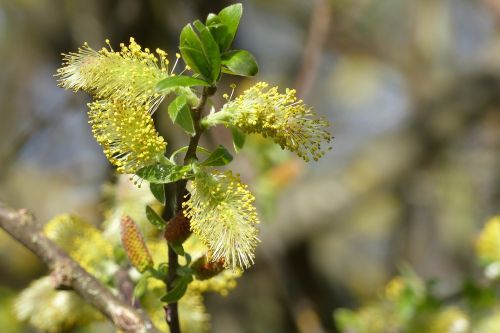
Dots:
pixel 412 89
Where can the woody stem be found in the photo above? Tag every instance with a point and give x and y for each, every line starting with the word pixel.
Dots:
pixel 172 310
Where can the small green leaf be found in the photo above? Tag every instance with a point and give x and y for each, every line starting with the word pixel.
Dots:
pixel 192 52
pixel 221 35
pixel 178 291
pixel 213 19
pixel 180 113
pixel 239 62
pixel 180 81
pixel 188 260
pixel 163 269
pixel 230 16
pixel 219 157
pixel 161 174
pixel 178 248
pixel 238 138
pixel 201 52
pixel 211 49
pixel 195 59
pixel 141 286
pixel 184 270
pixel 154 218
pixel 158 191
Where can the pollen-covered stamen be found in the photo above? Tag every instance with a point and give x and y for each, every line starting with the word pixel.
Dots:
pixel 222 214
pixel 129 75
pixel 127 134
pixel 282 117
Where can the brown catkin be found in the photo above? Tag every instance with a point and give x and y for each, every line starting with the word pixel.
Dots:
pixel 178 229
pixel 205 269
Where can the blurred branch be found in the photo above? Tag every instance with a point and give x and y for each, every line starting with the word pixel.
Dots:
pixel 67 274
pixel 318 32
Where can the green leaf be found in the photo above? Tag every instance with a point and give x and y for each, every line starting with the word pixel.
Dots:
pixel 213 19
pixel 221 35
pixel 154 218
pixel 158 191
pixel 195 59
pixel 178 291
pixel 180 81
pixel 211 50
pixel 230 16
pixel 141 286
pixel 180 113
pixel 238 138
pixel 192 52
pixel 178 248
pixel 184 270
pixel 163 270
pixel 239 62
pixel 219 157
pixel 201 52
pixel 162 174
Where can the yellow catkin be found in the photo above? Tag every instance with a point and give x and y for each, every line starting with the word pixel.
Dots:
pixel 127 134
pixel 488 241
pixel 130 74
pixel 448 320
pixel 222 214
pixel 282 117
pixel 222 283
pixel 82 241
pixel 134 245
pixel 53 311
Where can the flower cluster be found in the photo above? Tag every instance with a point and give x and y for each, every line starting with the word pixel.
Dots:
pixel 82 241
pixel 130 75
pixel 222 214
pixel 488 242
pixel 127 134
pixel 51 310
pixel 282 117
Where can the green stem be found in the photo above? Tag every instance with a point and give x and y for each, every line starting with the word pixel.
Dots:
pixel 171 310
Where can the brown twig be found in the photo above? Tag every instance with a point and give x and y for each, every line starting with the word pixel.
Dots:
pixel 68 274
pixel 318 32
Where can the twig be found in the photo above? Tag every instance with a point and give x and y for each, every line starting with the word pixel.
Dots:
pixel 318 32
pixel 68 274
pixel 171 310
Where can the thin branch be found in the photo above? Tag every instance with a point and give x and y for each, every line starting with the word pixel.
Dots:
pixel 318 33
pixel 68 274
pixel 171 310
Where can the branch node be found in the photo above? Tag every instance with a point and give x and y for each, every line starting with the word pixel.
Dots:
pixel 62 275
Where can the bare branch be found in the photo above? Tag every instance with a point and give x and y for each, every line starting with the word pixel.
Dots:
pixel 68 274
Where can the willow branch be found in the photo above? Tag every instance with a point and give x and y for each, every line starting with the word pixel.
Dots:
pixel 171 310
pixel 68 274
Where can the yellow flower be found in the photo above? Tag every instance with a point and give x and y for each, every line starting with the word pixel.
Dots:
pixel 127 134
pixel 488 242
pixel 282 117
pixel 53 311
pixel 449 320
pixel 83 242
pixel 129 75
pixel 222 214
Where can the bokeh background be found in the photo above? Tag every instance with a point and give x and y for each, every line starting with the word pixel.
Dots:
pixel 412 89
